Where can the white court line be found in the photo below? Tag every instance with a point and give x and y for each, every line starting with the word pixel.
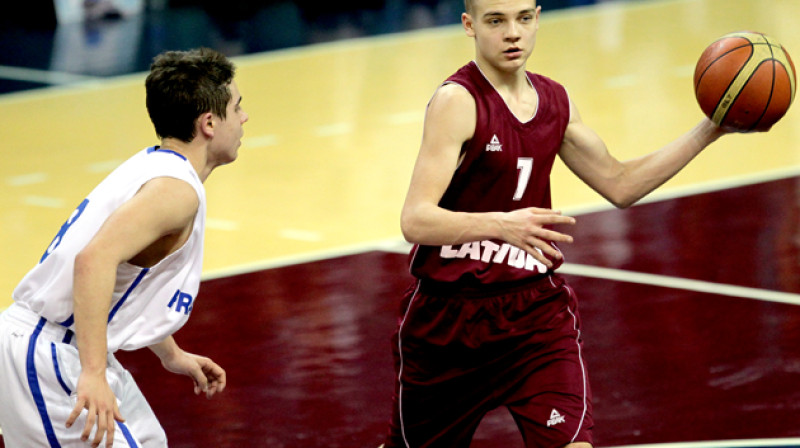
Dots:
pixel 301 235
pixel 390 245
pixel 26 179
pixel 794 443
pixel 261 141
pixel 680 283
pixel 692 190
pixel 398 245
pixel 335 129
pixel 43 201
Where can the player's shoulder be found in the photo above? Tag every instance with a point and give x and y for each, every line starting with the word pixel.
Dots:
pixel 453 95
pixel 541 79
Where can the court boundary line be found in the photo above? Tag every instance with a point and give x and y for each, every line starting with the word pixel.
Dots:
pixel 667 193
pixel 388 245
pixel 400 246
pixel 665 281
pixel 737 443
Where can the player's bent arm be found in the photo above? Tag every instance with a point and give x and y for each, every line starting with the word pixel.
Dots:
pixel 449 122
pixel 624 183
pixel 161 208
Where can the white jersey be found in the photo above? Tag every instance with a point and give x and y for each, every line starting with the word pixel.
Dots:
pixel 148 304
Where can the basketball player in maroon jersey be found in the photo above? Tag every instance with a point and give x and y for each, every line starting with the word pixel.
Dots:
pixel 488 322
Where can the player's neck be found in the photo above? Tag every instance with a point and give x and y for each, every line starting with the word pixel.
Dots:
pixel 513 83
pixel 194 151
pixel 510 85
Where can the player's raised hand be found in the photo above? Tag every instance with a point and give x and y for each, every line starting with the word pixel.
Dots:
pixel 526 228
pixel 95 395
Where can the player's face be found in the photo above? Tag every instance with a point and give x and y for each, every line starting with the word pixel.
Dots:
pixel 504 31
pixel 228 133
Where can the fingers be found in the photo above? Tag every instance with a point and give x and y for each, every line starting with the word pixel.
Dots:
pixel 104 421
pixel 552 235
pixel 90 419
pixel 200 383
pixel 543 252
pixel 76 411
pixel 539 235
pixel 103 427
pixel 547 216
pixel 216 378
pixel 209 377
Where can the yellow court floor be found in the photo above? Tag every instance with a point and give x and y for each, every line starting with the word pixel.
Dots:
pixel 334 128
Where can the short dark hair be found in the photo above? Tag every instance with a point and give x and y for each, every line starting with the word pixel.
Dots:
pixel 469 4
pixel 182 85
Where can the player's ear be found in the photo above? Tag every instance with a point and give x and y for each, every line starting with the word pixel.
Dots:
pixel 205 124
pixel 467 22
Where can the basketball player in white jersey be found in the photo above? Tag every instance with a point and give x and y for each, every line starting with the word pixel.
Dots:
pixel 122 273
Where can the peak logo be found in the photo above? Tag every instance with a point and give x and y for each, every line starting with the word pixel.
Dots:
pixel 494 145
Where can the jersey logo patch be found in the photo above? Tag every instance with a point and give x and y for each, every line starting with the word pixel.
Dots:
pixel 181 302
pixel 494 145
pixel 555 418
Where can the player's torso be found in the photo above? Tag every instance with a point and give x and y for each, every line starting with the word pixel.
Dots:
pixel 156 299
pixel 505 166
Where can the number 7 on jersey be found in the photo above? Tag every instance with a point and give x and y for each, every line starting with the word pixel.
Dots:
pixel 525 167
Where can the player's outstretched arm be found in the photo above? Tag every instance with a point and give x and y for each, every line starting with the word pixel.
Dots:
pixel 209 378
pixel 624 183
pixel 449 122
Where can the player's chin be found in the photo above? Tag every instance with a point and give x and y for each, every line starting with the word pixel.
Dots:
pixel 513 60
pixel 512 66
pixel 231 155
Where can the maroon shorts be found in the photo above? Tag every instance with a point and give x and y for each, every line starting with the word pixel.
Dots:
pixel 458 355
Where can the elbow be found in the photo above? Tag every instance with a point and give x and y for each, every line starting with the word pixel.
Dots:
pixel 621 196
pixel 623 204
pixel 88 262
pixel 81 262
pixel 408 227
pixel 413 226
pixel 621 201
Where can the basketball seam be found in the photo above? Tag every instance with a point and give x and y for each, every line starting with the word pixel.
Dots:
pixel 725 109
pixel 769 98
pixel 721 112
pixel 710 64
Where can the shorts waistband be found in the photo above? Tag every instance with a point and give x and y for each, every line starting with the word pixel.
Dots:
pixel 542 282
pixel 49 330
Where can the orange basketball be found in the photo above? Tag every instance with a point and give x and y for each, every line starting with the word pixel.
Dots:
pixel 745 81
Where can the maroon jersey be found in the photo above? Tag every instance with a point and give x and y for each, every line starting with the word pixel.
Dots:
pixel 506 166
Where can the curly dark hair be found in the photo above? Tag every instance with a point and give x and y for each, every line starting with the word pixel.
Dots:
pixel 182 85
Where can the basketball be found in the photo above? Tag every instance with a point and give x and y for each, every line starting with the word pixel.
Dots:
pixel 744 81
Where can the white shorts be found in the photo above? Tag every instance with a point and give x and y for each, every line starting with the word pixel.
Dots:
pixel 39 369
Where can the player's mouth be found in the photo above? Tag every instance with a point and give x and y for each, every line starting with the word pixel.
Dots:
pixel 513 52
